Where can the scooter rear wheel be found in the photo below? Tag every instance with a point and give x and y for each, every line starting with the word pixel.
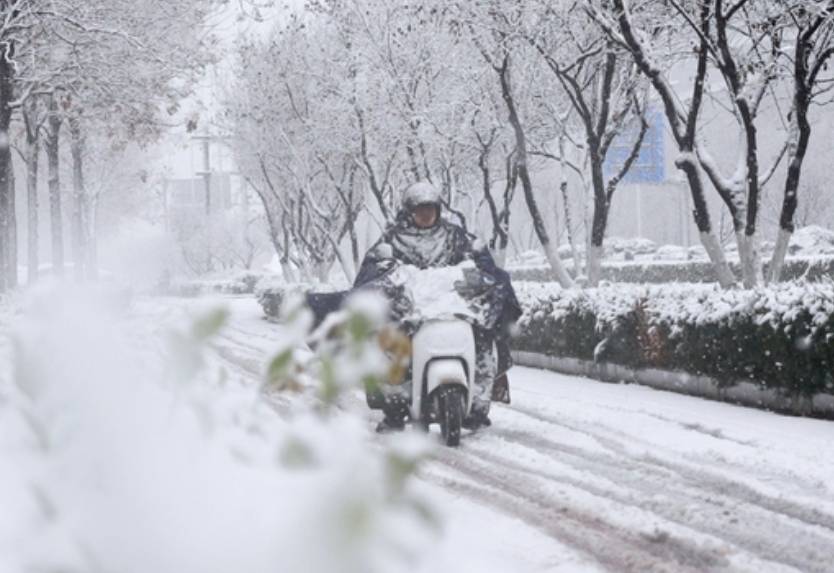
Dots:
pixel 450 406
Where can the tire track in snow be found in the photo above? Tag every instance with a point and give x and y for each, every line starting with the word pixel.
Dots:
pixel 749 526
pixel 700 479
pixel 251 367
pixel 776 528
pixel 615 548
pixel 602 435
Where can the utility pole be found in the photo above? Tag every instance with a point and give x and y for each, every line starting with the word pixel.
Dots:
pixel 206 175
pixel 206 171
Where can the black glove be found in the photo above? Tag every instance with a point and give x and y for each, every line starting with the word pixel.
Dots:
pixel 474 283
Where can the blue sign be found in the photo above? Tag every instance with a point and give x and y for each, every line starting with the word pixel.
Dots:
pixel 650 165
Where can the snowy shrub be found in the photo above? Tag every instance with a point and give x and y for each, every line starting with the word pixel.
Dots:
pixel 321 298
pixel 661 272
pixel 780 336
pixel 241 282
pixel 119 453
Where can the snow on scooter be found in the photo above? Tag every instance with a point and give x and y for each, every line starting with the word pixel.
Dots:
pixel 438 385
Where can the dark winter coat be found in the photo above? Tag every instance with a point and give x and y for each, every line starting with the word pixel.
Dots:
pixel 445 244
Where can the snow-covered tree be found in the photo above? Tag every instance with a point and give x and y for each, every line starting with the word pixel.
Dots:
pixel 639 29
pixel 492 29
pixel 813 48
pixel 604 91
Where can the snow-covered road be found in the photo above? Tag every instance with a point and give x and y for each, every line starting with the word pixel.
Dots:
pixel 578 475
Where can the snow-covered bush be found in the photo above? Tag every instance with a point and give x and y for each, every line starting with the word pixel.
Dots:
pixel 691 271
pixel 812 240
pixel 131 454
pixel 635 246
pixel 780 336
pixel 240 282
pixel 321 298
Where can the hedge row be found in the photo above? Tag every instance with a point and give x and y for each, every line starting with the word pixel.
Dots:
pixel 242 283
pixel 322 299
pixel 659 272
pixel 781 337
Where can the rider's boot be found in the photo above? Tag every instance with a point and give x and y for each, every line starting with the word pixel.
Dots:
pixel 479 417
pixel 392 422
pixel 501 389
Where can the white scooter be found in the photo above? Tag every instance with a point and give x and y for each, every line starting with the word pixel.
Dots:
pixel 441 378
pixel 443 367
pixel 439 384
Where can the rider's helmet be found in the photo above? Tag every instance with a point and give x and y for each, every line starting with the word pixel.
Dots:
pixel 421 193
pixel 422 204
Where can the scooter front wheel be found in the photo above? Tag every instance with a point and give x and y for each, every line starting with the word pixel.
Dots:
pixel 450 406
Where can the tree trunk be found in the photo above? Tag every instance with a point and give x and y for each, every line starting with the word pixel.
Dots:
pixel 348 270
pixel 749 254
pixel 708 238
pixel 32 156
pixel 800 136
pixel 7 213
pixel 750 257
pixel 12 255
pixel 79 251
pixel 789 204
pixel 550 248
pixel 780 251
pixel 277 228
pixel 51 144
pixel 600 218
pixel 91 237
pixel 500 233
pixel 563 189
pixel 32 209
pixel 354 242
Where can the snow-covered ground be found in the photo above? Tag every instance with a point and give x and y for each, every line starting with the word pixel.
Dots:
pixel 577 475
pixel 625 478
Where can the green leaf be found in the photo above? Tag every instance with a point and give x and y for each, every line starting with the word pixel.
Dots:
pixel 279 366
pixel 296 454
pixel 209 325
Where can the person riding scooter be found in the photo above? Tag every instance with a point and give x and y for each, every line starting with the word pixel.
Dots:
pixel 422 237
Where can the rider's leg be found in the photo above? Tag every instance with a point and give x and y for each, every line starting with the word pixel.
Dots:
pixel 484 378
pixel 393 421
pixel 502 347
pixel 395 408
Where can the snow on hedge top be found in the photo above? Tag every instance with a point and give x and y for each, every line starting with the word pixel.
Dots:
pixel 810 241
pixel 674 304
pixel 813 240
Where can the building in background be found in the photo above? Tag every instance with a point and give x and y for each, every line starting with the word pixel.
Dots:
pixel 652 201
pixel 206 183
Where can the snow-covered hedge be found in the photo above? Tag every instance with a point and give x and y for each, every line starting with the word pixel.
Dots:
pixel 659 272
pixel 242 283
pixel 781 337
pixel 272 294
